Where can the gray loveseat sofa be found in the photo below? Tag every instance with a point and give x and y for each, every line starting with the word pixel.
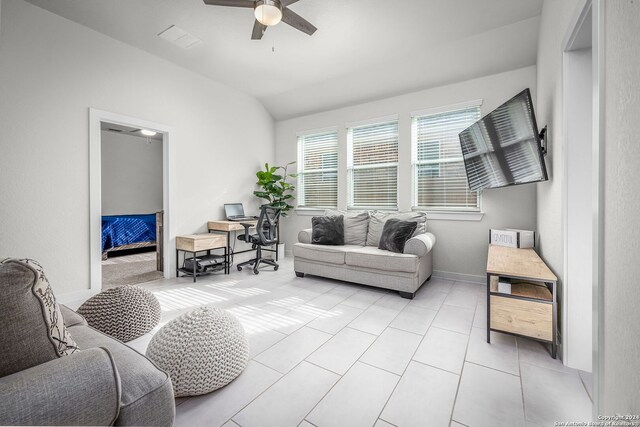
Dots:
pixel 101 382
pixel 360 261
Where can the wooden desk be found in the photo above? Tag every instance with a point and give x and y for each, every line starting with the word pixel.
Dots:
pixel 531 308
pixel 225 226
pixel 195 243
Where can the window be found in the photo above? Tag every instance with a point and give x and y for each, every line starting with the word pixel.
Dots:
pixel 439 178
pixel 318 170
pixel 373 166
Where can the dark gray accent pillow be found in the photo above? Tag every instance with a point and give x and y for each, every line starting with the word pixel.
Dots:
pixel 395 234
pixel 378 218
pixel 327 230
pixel 356 225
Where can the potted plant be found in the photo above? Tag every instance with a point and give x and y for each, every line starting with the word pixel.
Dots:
pixel 275 189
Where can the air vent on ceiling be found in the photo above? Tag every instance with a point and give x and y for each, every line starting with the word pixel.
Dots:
pixel 180 37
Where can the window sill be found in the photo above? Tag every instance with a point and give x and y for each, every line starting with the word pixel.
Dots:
pixel 309 211
pixel 454 216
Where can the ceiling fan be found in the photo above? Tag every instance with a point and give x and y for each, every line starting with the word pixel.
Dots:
pixel 268 13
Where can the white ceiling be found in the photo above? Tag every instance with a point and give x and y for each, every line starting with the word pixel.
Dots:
pixel 363 50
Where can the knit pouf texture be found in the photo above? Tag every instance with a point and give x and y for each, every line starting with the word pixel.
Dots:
pixel 125 312
pixel 202 350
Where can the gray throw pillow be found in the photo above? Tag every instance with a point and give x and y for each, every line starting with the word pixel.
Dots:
pixel 327 230
pixel 378 218
pixel 395 234
pixel 31 323
pixel 356 225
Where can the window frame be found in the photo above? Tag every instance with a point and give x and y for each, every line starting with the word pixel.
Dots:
pixel 350 167
pixel 300 190
pixel 439 212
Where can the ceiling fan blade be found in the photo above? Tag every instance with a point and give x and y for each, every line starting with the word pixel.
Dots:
pixel 297 21
pixel 258 31
pixel 233 3
pixel 286 3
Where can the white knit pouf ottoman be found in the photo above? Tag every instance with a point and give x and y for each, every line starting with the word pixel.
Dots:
pixel 125 312
pixel 201 351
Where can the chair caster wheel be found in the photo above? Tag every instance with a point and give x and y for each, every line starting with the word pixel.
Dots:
pixel 239 268
pixel 255 271
pixel 275 268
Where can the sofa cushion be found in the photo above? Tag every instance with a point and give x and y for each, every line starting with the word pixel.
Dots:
pixel 378 218
pixel 327 230
pixel 139 377
pixel 379 259
pixel 395 234
pixel 321 253
pixel 31 324
pixel 356 225
pixel 71 318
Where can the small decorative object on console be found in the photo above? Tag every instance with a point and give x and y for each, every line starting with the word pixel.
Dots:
pixel 512 238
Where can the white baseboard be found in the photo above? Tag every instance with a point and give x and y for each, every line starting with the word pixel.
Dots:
pixel 460 277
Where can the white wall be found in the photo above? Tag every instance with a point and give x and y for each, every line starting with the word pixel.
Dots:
pixel 131 174
pixel 462 245
pixel 51 72
pixel 622 207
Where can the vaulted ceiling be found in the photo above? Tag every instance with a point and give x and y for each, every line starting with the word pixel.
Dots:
pixel 363 50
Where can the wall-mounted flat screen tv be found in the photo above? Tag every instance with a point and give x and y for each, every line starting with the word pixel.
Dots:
pixel 503 148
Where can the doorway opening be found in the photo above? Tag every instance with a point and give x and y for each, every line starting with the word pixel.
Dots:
pixel 130 200
pixel 132 205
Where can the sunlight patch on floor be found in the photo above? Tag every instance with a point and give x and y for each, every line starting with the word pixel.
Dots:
pixel 242 292
pixel 181 298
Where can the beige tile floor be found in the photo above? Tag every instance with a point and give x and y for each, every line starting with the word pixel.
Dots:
pixel 329 353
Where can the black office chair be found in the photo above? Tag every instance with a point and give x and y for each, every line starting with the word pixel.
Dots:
pixel 267 235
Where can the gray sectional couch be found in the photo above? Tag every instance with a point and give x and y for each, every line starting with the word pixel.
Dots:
pixel 57 370
pixel 360 261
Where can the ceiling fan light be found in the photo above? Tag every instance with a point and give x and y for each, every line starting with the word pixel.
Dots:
pixel 268 12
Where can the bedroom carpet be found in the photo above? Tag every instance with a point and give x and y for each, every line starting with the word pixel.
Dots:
pixel 129 270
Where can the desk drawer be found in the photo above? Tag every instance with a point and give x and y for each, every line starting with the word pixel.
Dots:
pixel 533 319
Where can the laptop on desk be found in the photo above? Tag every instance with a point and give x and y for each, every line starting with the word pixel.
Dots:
pixel 235 212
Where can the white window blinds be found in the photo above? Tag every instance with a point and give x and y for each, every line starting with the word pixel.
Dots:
pixel 373 166
pixel 318 170
pixel 439 178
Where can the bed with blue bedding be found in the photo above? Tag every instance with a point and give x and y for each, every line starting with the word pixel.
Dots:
pixel 120 232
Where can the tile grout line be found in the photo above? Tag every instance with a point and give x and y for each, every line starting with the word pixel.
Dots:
pixel 275 370
pixel 406 367
pixel 357 360
pixel 464 361
pixel 305 360
pixel 585 387
pixel 524 407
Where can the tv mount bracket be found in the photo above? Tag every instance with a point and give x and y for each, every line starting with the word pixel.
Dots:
pixel 543 140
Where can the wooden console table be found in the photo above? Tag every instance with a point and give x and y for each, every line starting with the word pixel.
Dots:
pixel 195 243
pixel 530 310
